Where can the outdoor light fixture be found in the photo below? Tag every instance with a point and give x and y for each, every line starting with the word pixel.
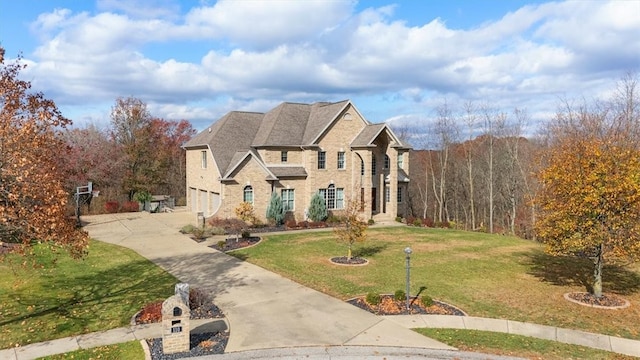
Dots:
pixel 408 252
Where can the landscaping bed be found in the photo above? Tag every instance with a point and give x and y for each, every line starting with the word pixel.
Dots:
pixel 201 307
pixel 389 305
pixel 234 244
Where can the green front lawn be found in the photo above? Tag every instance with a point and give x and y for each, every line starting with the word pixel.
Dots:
pixel 515 345
pixel 129 350
pixel 486 275
pixel 70 297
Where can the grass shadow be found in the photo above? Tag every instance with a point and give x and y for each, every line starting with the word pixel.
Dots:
pixel 369 250
pixel 74 302
pixel 575 271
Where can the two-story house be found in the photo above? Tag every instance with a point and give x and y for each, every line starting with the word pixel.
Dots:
pixel 298 150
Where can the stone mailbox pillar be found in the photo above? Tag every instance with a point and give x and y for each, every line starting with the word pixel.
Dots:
pixel 175 325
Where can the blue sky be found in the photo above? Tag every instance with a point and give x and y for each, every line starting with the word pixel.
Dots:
pixel 397 60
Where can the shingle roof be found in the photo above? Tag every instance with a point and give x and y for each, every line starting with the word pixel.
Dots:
pixel 288 171
pixel 320 117
pixel 233 133
pixel 283 126
pixel 288 124
pixel 367 135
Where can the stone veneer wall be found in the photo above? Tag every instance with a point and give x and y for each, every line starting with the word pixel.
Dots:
pixel 175 325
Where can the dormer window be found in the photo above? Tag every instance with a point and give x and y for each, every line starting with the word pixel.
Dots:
pixel 283 156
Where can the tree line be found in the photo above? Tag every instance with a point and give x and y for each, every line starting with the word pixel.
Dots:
pixel 575 185
pixel 476 171
pixel 479 170
pixel 138 154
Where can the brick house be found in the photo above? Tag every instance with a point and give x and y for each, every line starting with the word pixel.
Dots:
pixel 298 150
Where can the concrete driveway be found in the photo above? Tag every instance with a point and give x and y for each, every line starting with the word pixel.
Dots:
pixel 264 310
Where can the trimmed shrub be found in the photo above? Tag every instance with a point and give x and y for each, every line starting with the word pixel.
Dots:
pixel 426 300
pixel 198 298
pixel 317 208
pixel 428 222
pixel 373 298
pixel 130 206
pixel 303 224
pixel 215 230
pixel 371 221
pixel 187 229
pixel 398 219
pixel 417 222
pixel 230 226
pixel 111 207
pixel 290 224
pixel 246 234
pixel 221 244
pixel 411 220
pixel 317 224
pixel 275 213
pixel 400 295
pixel 198 233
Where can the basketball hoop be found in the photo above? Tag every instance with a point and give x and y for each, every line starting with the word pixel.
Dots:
pixel 83 195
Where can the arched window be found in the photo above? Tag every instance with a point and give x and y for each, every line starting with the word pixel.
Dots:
pixel 333 197
pixel 248 194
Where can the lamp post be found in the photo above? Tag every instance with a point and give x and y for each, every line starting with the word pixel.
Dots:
pixel 408 252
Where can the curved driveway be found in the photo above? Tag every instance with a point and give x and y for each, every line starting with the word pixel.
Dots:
pixel 264 309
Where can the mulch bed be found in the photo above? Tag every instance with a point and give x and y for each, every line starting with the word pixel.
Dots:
pixel 199 345
pixel 390 306
pixel 343 260
pixel 6 248
pixel 202 307
pixel 234 244
pixel 606 300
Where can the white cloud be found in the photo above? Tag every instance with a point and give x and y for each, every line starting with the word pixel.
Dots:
pixel 255 54
pixel 265 24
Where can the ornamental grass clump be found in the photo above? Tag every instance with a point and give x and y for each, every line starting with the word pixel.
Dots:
pixel 373 298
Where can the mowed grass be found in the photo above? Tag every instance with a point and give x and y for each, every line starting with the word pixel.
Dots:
pixel 486 275
pixel 128 350
pixel 70 297
pixel 516 345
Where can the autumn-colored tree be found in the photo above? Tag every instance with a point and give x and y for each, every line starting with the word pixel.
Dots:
pixel 169 158
pixel 92 157
pixel 152 158
pixel 32 195
pixel 353 229
pixel 131 120
pixel 590 194
pixel 244 211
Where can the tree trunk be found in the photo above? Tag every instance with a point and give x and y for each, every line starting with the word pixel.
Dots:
pixel 597 273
